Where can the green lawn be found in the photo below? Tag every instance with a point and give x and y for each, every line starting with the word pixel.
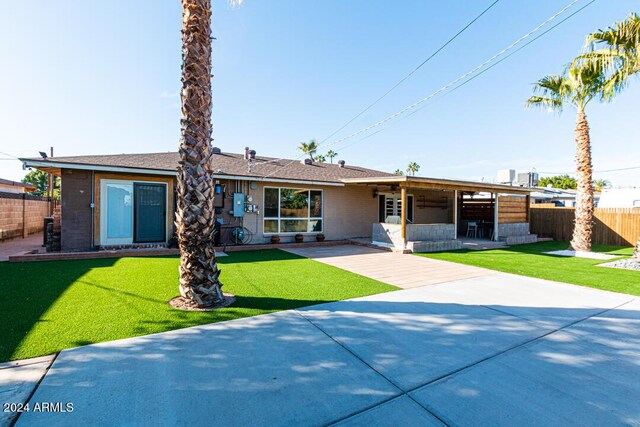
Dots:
pixel 50 306
pixel 529 260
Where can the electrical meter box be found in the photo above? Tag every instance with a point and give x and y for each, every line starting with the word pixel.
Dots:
pixel 238 205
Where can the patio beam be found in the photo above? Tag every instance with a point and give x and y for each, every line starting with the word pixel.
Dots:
pixel 403 215
pixel 495 216
pixel 455 214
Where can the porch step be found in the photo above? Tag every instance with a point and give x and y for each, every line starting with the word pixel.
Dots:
pixel 434 246
pixel 520 240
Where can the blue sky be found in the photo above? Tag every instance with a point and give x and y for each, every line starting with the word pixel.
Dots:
pixel 103 77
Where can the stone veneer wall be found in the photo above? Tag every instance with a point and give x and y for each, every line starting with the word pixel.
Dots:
pixel 513 229
pixel 516 233
pixel 390 234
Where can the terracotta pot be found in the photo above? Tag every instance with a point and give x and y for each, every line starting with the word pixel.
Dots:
pixel 320 237
pixel 275 239
pixel 299 238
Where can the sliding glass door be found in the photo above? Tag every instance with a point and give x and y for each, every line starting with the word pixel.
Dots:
pixel 132 212
pixel 150 212
pixel 117 213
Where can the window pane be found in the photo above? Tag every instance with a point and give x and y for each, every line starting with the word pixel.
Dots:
pixel 271 202
pixel 294 203
pixel 119 211
pixel 316 203
pixel 270 225
pixel 315 225
pixel 293 225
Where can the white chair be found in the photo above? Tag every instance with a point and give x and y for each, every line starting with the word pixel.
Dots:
pixel 472 229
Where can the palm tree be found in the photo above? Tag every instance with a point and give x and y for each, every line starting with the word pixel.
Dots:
pixel 577 86
pixel 331 154
pixel 413 168
pixel 309 148
pixel 615 52
pixel 199 274
pixel 398 172
pixel 320 158
pixel 599 184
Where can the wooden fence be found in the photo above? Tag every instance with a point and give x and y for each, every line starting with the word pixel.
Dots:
pixel 612 226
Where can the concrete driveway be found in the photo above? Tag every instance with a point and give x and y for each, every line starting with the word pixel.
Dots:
pixel 494 349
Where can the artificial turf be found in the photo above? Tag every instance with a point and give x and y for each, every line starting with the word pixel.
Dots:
pixel 50 306
pixel 529 260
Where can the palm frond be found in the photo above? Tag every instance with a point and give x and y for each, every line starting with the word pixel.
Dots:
pixel 551 104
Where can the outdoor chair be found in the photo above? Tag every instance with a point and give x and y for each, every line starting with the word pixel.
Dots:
pixel 472 229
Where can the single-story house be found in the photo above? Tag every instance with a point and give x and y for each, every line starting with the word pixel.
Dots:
pixel 8 186
pixel 128 200
pixel 557 196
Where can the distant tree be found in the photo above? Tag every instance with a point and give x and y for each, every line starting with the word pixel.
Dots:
pixel 40 180
pixel 331 154
pixel 599 184
pixel 320 158
pixel 413 168
pixel 564 182
pixel 309 148
pixel 398 172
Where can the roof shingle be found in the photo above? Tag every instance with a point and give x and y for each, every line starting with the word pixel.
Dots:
pixel 224 164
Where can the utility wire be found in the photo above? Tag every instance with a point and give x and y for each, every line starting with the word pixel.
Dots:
pixel 457 80
pixel 412 72
pixel 447 86
pixel 503 59
pixel 455 36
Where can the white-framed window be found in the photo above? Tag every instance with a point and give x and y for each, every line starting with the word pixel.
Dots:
pixel 292 210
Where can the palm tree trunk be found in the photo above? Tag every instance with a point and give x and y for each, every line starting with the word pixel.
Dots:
pixel 636 253
pixel 199 283
pixel 583 226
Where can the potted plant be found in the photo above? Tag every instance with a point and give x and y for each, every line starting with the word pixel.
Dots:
pixel 299 238
pixel 320 237
pixel 275 239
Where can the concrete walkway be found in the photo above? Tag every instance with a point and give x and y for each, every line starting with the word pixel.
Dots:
pixel 396 269
pixel 20 246
pixel 494 349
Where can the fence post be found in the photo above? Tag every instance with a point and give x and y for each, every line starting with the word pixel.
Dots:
pixel 24 215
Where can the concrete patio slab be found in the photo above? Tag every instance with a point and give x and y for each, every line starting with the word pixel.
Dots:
pixel 401 411
pixel 16 246
pixel 403 271
pixel 275 369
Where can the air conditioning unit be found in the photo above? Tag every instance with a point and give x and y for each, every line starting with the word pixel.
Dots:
pixel 506 176
pixel 528 179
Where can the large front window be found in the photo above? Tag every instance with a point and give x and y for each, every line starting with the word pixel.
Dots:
pixel 292 210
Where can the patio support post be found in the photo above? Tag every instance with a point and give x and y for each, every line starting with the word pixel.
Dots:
pixel 495 217
pixel 528 207
pixel 455 214
pixel 403 215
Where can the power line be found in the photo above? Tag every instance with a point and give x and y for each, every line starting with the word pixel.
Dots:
pixel 503 59
pixel 454 82
pixel 401 80
pixel 412 72
pixel 447 86
pixel 595 171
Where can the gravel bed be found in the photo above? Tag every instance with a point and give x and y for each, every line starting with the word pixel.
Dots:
pixel 627 264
